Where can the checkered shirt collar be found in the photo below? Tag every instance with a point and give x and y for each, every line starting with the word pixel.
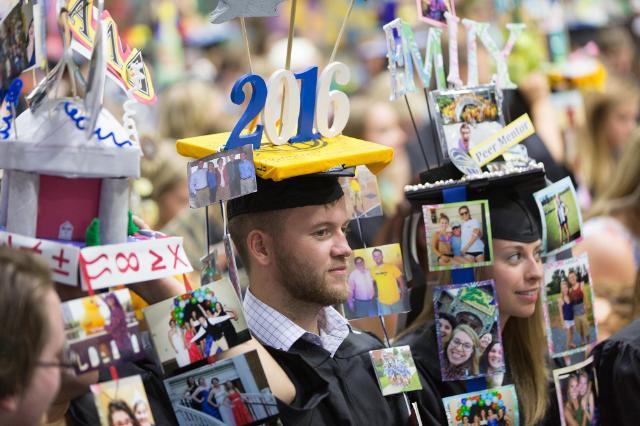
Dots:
pixel 273 329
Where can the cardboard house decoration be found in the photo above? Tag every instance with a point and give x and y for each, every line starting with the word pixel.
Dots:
pixel 57 181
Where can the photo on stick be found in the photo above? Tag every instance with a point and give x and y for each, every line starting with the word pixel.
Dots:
pixel 196 326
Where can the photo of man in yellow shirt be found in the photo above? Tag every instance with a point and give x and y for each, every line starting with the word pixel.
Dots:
pixel 390 283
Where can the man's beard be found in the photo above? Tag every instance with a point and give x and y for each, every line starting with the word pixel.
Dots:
pixel 305 284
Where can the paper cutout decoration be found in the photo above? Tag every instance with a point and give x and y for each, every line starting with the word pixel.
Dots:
pixel 395 370
pixel 97 76
pixel 498 143
pixel 61 258
pixel 227 10
pixel 114 264
pixel 121 60
pixel 464 162
pixel 102 330
pixel 114 397
pixel 52 140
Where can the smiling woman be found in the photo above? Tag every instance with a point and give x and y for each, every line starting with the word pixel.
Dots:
pixel 517 272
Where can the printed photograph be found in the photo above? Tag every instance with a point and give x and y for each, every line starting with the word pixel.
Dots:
pixel 222 176
pixel 195 326
pixel 458 235
pixel 123 402
pixel 570 113
pixel 102 330
pixel 497 406
pixel 568 306
pixel 468 330
pixel 17 42
pixel 465 118
pixel 432 11
pixel 577 389
pixel 395 370
pixel 376 283
pixel 362 194
pixel 232 392
pixel 561 216
pixel 211 268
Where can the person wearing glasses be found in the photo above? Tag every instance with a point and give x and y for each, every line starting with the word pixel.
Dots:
pixel 461 354
pixel 472 244
pixel 32 340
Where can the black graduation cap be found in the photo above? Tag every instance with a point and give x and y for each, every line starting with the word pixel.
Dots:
pixel 300 191
pixel 514 214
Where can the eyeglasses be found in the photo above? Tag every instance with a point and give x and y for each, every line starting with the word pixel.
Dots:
pixel 466 212
pixel 465 346
pixel 68 360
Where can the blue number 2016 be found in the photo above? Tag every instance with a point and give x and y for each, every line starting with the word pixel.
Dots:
pixel 309 80
pixel 256 103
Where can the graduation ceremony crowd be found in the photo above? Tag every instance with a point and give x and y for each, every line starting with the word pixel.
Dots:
pixel 294 238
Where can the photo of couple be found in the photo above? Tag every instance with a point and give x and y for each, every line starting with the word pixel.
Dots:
pixel 493 407
pixel 395 370
pixel 467 330
pixel 222 176
pixel 568 306
pixel 17 42
pixel 197 325
pixel 123 402
pixel 102 330
pixel 232 392
pixel 376 283
pixel 561 216
pixel 576 389
pixel 458 235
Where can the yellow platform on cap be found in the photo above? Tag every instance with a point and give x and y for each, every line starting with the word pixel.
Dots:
pixel 278 162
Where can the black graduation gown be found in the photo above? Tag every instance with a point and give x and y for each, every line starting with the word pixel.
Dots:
pixel 339 390
pixel 617 363
pixel 424 349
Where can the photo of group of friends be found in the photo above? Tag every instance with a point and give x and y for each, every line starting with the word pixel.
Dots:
pixel 561 216
pixel 232 392
pixel 432 11
pixel 467 327
pixel 465 118
pixel 102 330
pixel 395 370
pixel 376 283
pixel 362 195
pixel 491 407
pixel 577 388
pixel 222 176
pixel 17 42
pixel 458 235
pixel 122 402
pixel 568 306
pixel 197 325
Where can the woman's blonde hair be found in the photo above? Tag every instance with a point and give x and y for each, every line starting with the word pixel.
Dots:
pixel 597 161
pixel 622 196
pixel 475 358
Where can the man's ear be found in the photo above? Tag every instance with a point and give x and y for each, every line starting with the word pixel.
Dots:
pixel 9 404
pixel 260 247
